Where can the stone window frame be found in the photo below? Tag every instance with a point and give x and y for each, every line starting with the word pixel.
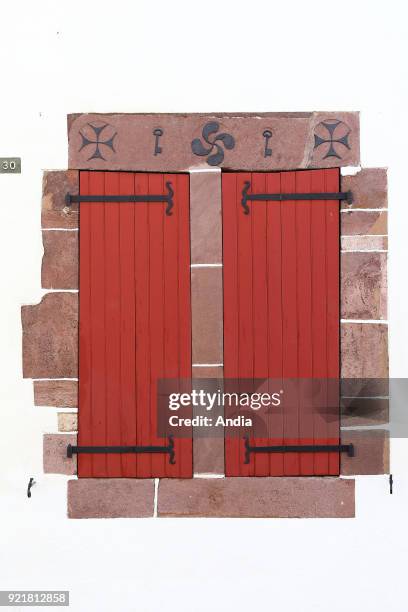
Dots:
pixel 296 141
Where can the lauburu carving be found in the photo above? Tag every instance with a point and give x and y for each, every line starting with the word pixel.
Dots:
pixel 213 159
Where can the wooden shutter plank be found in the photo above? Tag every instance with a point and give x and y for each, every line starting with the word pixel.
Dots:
pixel 304 282
pixel 183 446
pixel 113 301
pixel 245 310
pixel 274 269
pixel 260 464
pixel 170 302
pixel 319 316
pixel 97 331
pixel 156 319
pixel 142 274
pixel 290 321
pixel 85 432
pixel 231 315
pixel 127 212
pixel 333 314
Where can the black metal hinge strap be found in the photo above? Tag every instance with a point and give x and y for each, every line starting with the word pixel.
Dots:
pixel 297 448
pixel 167 198
pixel 282 197
pixel 76 450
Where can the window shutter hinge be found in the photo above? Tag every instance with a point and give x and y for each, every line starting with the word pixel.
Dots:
pixel 165 198
pixel 347 196
pixel 297 448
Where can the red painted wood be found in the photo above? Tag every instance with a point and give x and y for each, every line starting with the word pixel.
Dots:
pixel 97 328
pixel 135 320
pixel 290 306
pixel 112 302
pixel 85 432
pixel 183 446
pixel 275 330
pixel 142 298
pixel 319 313
pixel 281 312
pixel 230 288
pixel 127 331
pixel 333 302
pixel 305 337
pixel 259 297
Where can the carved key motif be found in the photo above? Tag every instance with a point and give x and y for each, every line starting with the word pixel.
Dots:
pixel 157 132
pixel 267 134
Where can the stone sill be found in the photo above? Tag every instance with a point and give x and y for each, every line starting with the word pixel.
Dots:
pixel 262 497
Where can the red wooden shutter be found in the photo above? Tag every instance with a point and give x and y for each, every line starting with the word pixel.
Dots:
pixel 281 309
pixel 135 320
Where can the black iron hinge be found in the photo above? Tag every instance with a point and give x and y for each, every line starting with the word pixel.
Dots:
pixel 282 197
pixel 167 198
pixel 297 448
pixel 76 450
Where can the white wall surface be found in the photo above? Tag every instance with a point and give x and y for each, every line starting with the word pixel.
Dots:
pixel 137 55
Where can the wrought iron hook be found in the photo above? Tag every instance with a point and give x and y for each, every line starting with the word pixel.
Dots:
pixel 31 483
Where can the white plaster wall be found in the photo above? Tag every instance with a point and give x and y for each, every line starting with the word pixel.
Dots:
pixel 132 56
